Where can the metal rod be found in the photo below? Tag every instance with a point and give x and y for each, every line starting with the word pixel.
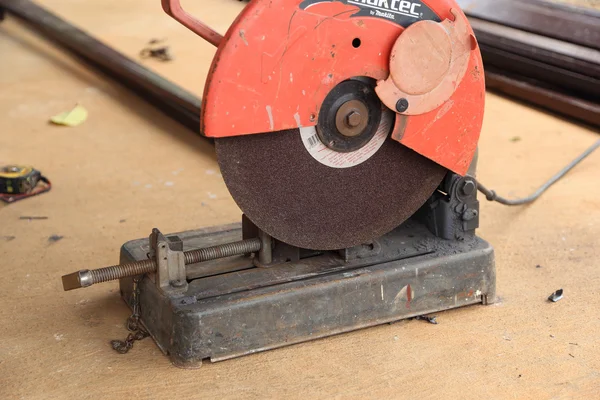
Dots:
pixel 85 278
pixel 544 96
pixel 552 19
pixel 169 98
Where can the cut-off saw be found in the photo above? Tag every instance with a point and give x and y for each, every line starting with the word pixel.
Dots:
pixel 346 131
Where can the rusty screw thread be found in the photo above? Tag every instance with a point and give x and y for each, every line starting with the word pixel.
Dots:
pixel 121 271
pixel 86 278
pixel 221 251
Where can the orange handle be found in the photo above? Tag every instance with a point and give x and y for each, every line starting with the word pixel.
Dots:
pixel 174 9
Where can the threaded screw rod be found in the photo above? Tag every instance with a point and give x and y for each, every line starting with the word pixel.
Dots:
pixel 85 278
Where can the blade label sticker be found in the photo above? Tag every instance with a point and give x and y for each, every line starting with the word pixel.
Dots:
pixel 334 159
pixel 401 12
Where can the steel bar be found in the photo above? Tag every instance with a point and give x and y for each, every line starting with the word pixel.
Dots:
pixel 544 96
pixel 169 98
pixel 557 75
pixel 568 56
pixel 579 85
pixel 570 24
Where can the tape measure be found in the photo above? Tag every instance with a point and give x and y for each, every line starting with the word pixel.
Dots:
pixel 18 182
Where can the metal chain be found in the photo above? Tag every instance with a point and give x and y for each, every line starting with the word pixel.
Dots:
pixel 133 323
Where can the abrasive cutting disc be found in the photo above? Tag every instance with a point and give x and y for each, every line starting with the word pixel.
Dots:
pixel 284 185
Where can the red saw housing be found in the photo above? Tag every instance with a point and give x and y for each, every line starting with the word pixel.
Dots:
pixel 280 59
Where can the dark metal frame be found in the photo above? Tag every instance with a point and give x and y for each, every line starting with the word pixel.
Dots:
pixel 257 309
pixel 432 262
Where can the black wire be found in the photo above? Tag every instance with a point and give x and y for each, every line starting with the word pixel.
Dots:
pixel 493 196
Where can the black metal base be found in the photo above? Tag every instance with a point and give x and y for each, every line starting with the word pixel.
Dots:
pixel 232 308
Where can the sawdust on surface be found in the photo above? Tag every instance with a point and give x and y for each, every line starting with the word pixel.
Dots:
pixel 128 169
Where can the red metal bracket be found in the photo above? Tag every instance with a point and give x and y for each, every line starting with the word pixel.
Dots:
pixel 173 8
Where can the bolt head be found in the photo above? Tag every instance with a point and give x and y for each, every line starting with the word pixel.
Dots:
pixel 469 214
pixel 353 119
pixel 178 283
pixel 468 188
pixel 402 105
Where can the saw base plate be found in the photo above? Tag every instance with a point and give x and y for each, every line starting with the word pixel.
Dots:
pixel 232 308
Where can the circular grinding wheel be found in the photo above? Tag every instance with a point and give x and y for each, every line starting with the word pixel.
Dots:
pixel 298 200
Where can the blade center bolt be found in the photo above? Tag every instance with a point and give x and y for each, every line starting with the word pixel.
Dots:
pixel 353 119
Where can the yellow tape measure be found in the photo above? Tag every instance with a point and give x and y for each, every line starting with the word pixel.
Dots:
pixel 18 181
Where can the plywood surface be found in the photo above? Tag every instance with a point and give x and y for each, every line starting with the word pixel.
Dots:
pixel 128 169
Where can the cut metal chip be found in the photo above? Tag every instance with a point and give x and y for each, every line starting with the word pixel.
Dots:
pixel 556 296
pixel 431 320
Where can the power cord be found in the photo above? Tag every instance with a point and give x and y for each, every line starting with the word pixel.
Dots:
pixel 493 196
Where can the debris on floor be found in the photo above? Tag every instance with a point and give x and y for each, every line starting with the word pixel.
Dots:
pixel 556 296
pixel 538 266
pixel 54 238
pixel 74 117
pixel 8 238
pixel 431 320
pixel 154 49
pixel 30 218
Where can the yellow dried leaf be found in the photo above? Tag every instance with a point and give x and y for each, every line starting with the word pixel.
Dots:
pixel 71 118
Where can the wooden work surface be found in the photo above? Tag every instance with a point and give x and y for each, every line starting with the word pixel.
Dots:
pixel 128 169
